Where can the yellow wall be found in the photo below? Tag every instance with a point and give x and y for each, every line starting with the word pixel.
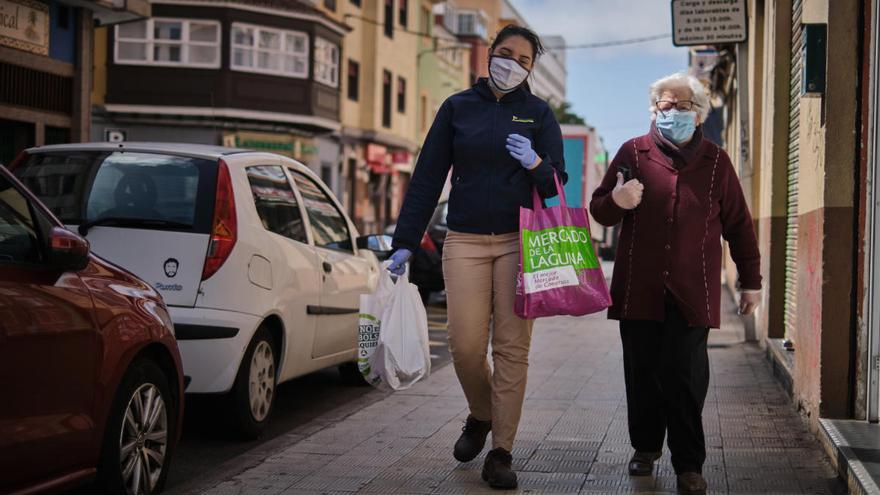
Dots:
pixel 368 45
pixel 811 182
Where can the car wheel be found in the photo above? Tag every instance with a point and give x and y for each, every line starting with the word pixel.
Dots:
pixel 351 375
pixel 140 432
pixel 254 392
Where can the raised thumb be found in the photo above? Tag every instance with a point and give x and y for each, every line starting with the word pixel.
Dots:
pixel 619 179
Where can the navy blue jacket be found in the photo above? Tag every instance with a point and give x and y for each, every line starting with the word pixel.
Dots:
pixel 488 184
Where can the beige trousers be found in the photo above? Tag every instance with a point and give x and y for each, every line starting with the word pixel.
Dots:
pixel 480 273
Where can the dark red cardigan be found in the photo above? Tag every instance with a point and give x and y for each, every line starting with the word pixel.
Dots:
pixel 672 240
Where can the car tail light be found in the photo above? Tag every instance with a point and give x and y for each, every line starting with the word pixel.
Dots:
pixel 224 227
pixel 428 244
pixel 20 159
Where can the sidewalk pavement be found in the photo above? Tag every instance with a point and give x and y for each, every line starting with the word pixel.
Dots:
pixel 573 436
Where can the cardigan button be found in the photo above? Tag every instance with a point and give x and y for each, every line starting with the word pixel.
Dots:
pixel 665 273
pixel 669 220
pixel 668 247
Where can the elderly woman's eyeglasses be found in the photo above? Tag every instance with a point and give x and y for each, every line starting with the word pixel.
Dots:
pixel 682 105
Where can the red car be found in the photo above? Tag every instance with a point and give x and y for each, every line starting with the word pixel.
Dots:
pixel 91 385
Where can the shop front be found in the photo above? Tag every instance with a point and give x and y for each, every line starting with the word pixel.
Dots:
pixel 46 67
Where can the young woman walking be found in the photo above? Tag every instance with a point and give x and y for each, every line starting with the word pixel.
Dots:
pixel 500 140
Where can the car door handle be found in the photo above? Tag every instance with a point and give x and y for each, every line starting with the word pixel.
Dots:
pixel 327 267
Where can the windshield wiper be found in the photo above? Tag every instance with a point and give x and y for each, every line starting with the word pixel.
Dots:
pixel 130 223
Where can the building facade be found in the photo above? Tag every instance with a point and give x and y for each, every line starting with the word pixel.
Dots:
pixel 379 105
pixel 477 21
pixel 46 68
pixel 550 74
pixel 444 69
pixel 801 106
pixel 250 74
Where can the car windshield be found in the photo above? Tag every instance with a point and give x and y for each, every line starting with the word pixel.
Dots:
pixel 168 191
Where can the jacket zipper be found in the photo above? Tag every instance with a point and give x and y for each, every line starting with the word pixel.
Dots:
pixel 493 163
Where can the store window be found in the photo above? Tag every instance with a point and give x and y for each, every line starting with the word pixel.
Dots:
pixel 326 62
pixel 354 80
pixel 356 3
pixel 169 42
pixel 330 5
pixel 269 51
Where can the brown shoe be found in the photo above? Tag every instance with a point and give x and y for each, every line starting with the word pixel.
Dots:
pixel 691 484
pixel 642 463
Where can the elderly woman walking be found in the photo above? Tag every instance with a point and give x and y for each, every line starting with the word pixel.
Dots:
pixel 677 195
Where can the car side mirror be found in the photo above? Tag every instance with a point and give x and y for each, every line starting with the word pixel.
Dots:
pixel 378 243
pixel 67 251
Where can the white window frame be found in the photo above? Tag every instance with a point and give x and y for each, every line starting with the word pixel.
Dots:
pixel 184 43
pixel 256 50
pixel 330 48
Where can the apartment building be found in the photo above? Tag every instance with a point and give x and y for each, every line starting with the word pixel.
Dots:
pixel 245 73
pixel 379 102
pixel 477 21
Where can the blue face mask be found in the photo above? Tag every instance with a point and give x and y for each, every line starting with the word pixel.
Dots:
pixel 677 126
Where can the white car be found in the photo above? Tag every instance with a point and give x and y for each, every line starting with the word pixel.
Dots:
pixel 258 263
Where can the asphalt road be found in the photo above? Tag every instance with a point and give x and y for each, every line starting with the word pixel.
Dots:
pixel 208 441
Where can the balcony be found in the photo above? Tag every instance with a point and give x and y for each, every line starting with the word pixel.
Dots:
pixel 226 63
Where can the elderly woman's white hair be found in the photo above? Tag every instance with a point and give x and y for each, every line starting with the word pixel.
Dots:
pixel 679 81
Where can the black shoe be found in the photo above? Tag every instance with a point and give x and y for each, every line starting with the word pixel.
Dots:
pixel 642 463
pixel 472 439
pixel 497 471
pixel 691 484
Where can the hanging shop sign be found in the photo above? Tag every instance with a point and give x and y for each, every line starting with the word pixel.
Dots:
pixel 296 147
pixel 24 24
pixel 377 159
pixel 709 22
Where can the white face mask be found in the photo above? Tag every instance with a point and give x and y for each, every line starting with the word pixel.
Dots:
pixel 506 74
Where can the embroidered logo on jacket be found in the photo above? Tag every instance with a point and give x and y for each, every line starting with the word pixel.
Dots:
pixel 522 120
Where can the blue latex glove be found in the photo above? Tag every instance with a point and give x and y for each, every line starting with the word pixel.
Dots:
pixel 398 261
pixel 521 148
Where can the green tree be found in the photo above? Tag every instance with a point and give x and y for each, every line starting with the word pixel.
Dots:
pixel 564 114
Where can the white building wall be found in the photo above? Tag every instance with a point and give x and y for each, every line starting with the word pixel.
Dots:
pixel 549 77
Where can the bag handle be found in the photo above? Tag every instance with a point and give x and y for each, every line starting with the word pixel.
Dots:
pixel 536 198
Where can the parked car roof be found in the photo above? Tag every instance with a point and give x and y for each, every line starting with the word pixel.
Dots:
pixel 187 149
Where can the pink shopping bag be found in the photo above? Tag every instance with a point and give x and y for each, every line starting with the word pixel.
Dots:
pixel 559 271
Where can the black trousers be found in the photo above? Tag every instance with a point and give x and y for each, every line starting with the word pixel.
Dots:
pixel 666 368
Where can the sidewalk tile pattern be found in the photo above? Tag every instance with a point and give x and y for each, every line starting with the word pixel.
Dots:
pixel 573 436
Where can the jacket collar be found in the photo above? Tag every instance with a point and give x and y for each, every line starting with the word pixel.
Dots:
pixel 647 145
pixel 482 88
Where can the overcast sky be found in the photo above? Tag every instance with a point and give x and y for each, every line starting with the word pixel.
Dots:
pixel 609 86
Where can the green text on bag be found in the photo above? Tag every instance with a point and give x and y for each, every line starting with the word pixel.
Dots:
pixel 558 246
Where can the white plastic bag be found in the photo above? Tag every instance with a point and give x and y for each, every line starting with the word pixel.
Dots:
pixel 369 322
pixel 403 355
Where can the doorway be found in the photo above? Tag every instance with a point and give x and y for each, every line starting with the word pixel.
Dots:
pixel 14 137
